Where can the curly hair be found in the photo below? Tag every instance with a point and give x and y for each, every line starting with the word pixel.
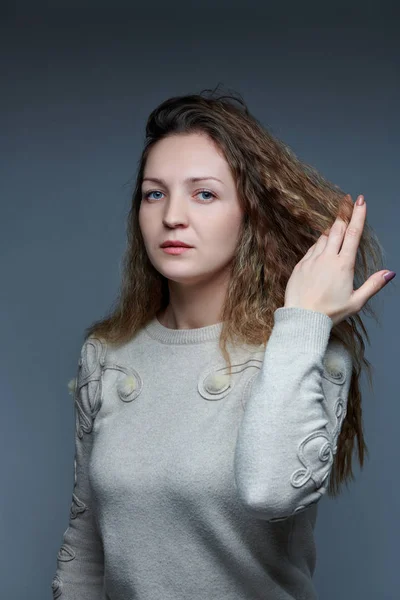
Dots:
pixel 287 205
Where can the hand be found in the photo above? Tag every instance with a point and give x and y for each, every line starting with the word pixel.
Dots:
pixel 323 279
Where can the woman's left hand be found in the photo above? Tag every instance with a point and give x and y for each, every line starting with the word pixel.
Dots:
pixel 323 279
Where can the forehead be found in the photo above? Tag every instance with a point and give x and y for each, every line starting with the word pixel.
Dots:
pixel 187 156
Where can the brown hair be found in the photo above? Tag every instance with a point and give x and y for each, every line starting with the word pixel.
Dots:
pixel 287 206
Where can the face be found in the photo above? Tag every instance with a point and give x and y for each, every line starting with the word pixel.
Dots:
pixel 204 214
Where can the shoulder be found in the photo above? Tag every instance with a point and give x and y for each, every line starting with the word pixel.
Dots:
pixel 88 395
pixel 92 358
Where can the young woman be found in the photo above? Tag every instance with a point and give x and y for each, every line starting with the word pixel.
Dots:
pixel 219 400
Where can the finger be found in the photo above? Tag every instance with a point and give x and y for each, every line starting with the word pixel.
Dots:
pixel 338 228
pixel 371 287
pixel 320 245
pixel 353 232
pixel 335 239
pixel 311 250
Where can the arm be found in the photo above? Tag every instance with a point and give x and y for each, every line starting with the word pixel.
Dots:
pixel 80 562
pixel 293 416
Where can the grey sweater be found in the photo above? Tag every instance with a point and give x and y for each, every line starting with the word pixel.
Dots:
pixel 190 485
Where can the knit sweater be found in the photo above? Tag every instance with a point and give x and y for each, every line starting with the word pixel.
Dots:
pixel 193 485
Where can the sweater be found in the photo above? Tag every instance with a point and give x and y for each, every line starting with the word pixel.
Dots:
pixel 190 484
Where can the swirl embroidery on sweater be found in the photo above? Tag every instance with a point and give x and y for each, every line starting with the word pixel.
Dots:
pixel 325 454
pixel 66 553
pixel 77 507
pixel 88 389
pixel 334 367
pixel 129 383
pixel 56 587
pixel 334 371
pixel 215 383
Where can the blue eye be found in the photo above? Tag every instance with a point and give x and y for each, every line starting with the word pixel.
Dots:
pixel 206 192
pixel 146 195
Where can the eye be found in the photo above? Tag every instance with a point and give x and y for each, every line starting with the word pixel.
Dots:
pixel 206 192
pixel 147 194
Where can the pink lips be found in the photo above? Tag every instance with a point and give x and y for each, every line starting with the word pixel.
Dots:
pixel 175 249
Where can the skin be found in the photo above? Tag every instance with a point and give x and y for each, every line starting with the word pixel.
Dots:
pixel 187 211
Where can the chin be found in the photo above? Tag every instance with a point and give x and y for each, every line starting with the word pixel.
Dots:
pixel 180 277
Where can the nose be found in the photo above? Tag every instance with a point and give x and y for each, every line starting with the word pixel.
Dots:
pixel 175 213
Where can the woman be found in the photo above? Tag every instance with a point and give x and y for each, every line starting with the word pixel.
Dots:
pixel 219 400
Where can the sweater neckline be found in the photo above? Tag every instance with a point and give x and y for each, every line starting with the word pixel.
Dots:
pixel 182 336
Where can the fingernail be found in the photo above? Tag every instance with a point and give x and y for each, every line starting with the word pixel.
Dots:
pixel 388 276
pixel 360 201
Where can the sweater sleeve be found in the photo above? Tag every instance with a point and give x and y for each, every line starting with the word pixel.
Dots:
pixel 293 415
pixel 80 561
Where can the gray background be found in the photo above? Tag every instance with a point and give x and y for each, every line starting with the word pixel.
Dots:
pixel 78 82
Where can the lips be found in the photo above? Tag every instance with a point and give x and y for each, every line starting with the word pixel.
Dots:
pixel 175 245
pixel 175 249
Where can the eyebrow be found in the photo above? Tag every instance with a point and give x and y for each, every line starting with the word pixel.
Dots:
pixel 188 180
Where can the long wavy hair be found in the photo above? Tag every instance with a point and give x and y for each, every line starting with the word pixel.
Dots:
pixel 287 205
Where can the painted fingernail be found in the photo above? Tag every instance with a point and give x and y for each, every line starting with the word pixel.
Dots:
pixel 360 201
pixel 388 276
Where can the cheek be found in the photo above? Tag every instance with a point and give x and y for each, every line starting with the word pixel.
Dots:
pixel 227 227
pixel 223 238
